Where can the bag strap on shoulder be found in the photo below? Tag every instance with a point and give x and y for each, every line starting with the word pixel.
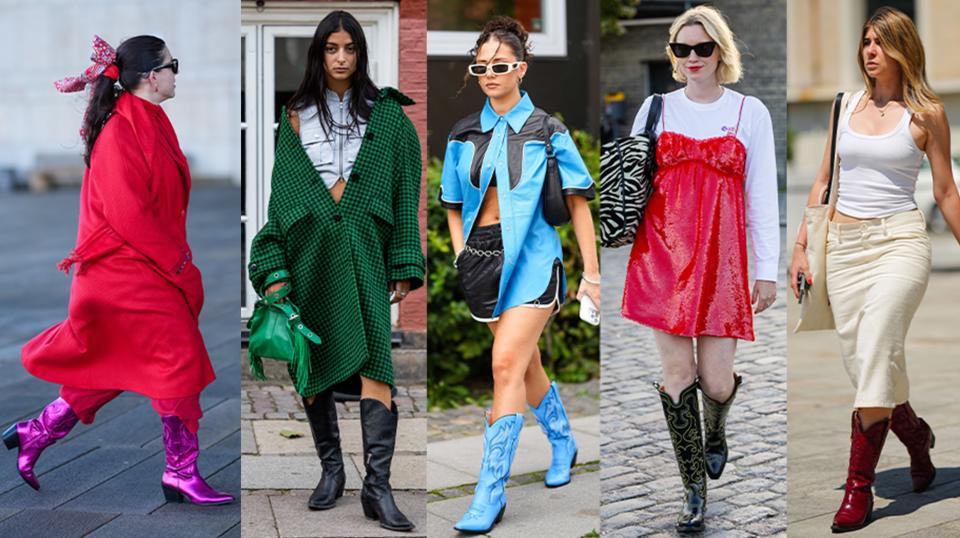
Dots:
pixel 653 115
pixel 837 105
pixel 546 135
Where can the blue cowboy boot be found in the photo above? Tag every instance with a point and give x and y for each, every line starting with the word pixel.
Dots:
pixel 553 421
pixel 490 496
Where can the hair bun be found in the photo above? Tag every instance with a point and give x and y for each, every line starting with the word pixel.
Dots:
pixel 505 28
pixel 503 23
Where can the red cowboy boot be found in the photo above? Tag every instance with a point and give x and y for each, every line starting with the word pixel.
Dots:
pixel 865 446
pixel 916 435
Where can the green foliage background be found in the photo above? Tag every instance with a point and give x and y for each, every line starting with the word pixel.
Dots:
pixel 458 356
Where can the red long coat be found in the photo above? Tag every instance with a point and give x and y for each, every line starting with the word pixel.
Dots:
pixel 136 295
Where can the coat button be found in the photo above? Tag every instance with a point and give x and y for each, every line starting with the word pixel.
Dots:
pixel 338 217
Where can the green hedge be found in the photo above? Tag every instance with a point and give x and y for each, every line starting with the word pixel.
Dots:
pixel 458 358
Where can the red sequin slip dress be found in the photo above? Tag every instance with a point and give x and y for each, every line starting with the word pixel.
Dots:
pixel 687 273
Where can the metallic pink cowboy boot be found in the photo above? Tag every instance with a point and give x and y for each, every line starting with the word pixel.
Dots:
pixel 55 422
pixel 181 479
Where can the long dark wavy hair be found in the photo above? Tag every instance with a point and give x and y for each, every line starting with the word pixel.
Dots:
pixel 314 84
pixel 135 57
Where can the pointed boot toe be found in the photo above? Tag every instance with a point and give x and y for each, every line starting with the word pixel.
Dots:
pixel 379 432
pixel 714 430
pixel 322 416
pixel 489 502
pixel 917 436
pixel 686 435
pixel 181 479
pixel 553 421
pixel 856 509
pixel 33 436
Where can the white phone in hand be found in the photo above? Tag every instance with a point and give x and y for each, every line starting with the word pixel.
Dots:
pixel 589 311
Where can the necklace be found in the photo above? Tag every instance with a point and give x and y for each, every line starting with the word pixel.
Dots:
pixel 883 109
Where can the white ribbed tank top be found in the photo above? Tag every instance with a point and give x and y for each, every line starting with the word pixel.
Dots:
pixel 878 173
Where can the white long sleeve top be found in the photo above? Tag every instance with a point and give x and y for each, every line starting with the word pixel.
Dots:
pixel 706 120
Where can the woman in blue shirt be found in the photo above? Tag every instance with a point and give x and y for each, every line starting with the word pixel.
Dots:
pixel 510 264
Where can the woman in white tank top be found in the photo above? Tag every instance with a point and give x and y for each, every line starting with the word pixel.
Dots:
pixel 878 252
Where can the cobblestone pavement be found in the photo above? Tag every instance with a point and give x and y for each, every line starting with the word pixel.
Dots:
pixel 579 399
pixel 640 485
pixel 821 398
pixel 104 479
pixel 278 401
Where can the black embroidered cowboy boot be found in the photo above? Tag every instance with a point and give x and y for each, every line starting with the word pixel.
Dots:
pixel 683 421
pixel 714 433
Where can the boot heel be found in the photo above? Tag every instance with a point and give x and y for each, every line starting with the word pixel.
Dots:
pixel 573 462
pixel 10 437
pixel 340 492
pixel 500 515
pixel 172 495
pixel 368 510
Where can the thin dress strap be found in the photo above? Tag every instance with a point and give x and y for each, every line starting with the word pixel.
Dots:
pixel 739 116
pixel 663 113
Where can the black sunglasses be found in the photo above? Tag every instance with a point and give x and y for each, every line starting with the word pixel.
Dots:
pixel 174 65
pixel 703 50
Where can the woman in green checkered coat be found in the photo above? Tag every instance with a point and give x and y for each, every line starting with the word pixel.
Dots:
pixel 343 232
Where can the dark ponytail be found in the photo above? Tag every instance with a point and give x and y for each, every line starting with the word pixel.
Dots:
pixel 136 57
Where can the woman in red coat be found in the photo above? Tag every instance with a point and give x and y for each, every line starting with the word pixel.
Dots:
pixel 136 295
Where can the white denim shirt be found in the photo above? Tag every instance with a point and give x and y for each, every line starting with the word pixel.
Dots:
pixel 331 150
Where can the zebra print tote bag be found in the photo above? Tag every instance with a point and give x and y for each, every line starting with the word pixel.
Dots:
pixel 626 181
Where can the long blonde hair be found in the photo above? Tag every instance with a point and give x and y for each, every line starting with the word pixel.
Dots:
pixel 729 69
pixel 899 39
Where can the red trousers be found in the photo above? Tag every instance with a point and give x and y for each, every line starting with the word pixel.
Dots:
pixel 86 403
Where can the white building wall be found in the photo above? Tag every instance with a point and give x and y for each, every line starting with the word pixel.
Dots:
pixel 44 40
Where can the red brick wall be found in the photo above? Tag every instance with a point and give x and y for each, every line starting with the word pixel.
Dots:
pixel 413 82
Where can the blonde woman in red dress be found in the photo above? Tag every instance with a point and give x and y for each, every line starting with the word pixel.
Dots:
pixel 687 274
pixel 136 295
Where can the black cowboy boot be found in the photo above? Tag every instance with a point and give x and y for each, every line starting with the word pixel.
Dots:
pixel 714 436
pixel 683 421
pixel 322 414
pixel 379 437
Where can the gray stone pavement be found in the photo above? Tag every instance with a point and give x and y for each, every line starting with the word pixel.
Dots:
pixel 280 465
pixel 453 462
pixel 104 479
pixel 640 484
pixel 820 402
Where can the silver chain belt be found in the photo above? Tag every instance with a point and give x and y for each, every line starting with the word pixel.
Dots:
pixel 482 253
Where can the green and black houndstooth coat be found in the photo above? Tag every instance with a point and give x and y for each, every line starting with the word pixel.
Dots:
pixel 341 256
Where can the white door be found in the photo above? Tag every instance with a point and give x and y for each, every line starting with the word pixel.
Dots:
pixel 275 42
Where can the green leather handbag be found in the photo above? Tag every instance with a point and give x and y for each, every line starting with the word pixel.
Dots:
pixel 277 332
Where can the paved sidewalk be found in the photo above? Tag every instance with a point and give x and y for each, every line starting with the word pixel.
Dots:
pixel 453 462
pixel 104 479
pixel 640 484
pixel 821 399
pixel 280 465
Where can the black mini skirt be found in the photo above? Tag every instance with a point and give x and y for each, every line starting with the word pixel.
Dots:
pixel 480 265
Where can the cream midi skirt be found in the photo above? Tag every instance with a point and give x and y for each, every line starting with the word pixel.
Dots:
pixel 877 273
